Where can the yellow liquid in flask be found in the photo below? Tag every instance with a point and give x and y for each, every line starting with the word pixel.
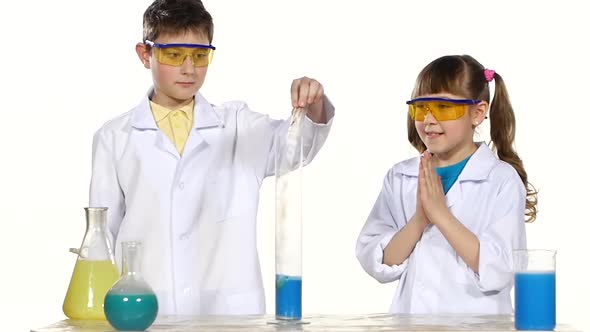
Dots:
pixel 91 280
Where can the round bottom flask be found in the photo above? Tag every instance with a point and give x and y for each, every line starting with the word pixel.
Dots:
pixel 131 304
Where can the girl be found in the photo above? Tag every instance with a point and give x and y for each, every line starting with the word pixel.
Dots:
pixel 445 223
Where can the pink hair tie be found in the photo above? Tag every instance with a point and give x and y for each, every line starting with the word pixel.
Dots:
pixel 489 74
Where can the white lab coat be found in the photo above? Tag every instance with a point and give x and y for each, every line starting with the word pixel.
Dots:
pixel 489 199
pixel 195 214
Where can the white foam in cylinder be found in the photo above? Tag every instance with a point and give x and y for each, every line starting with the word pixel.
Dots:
pixel 288 195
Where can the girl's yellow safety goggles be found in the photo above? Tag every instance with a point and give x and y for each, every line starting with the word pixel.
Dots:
pixel 175 54
pixel 443 109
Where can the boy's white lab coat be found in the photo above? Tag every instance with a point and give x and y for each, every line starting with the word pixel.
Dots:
pixel 195 214
pixel 489 199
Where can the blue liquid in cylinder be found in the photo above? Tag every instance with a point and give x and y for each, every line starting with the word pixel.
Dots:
pixel 288 297
pixel 131 312
pixel 534 301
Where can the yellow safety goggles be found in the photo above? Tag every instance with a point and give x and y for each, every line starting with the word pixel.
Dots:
pixel 443 109
pixel 175 54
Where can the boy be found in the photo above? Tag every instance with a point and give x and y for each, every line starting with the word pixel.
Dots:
pixel 182 175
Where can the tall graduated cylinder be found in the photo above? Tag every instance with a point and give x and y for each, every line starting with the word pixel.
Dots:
pixel 288 220
pixel 95 270
pixel 534 289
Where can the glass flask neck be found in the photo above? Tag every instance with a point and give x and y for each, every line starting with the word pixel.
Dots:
pixel 96 245
pixel 131 258
pixel 96 219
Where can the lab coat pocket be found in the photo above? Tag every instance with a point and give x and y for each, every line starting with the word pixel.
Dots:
pixel 247 303
pixel 221 197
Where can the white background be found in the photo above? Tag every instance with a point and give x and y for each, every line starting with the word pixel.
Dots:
pixel 68 66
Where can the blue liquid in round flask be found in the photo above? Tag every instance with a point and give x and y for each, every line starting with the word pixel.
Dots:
pixel 131 304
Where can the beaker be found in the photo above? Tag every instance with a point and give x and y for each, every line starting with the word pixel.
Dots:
pixel 534 289
pixel 131 304
pixel 95 270
pixel 289 162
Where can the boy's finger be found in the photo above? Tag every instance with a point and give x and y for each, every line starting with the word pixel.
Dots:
pixel 295 92
pixel 303 94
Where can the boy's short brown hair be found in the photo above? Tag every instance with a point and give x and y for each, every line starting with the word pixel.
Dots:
pixel 176 17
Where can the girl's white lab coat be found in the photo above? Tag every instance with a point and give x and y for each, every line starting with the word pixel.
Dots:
pixel 195 214
pixel 489 199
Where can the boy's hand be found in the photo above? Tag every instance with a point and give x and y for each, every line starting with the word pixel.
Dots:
pixel 308 93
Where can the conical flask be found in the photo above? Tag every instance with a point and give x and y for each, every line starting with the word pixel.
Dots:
pixel 131 304
pixel 95 270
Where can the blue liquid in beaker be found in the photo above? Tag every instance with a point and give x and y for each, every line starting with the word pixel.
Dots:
pixel 288 297
pixel 534 301
pixel 131 312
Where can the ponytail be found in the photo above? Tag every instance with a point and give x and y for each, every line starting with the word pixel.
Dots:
pixel 502 132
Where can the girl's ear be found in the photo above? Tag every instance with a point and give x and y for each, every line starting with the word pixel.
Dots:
pixel 479 113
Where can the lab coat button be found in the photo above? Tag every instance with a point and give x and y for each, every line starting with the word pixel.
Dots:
pixel 181 185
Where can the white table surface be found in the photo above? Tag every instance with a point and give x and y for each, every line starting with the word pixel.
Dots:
pixel 327 323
